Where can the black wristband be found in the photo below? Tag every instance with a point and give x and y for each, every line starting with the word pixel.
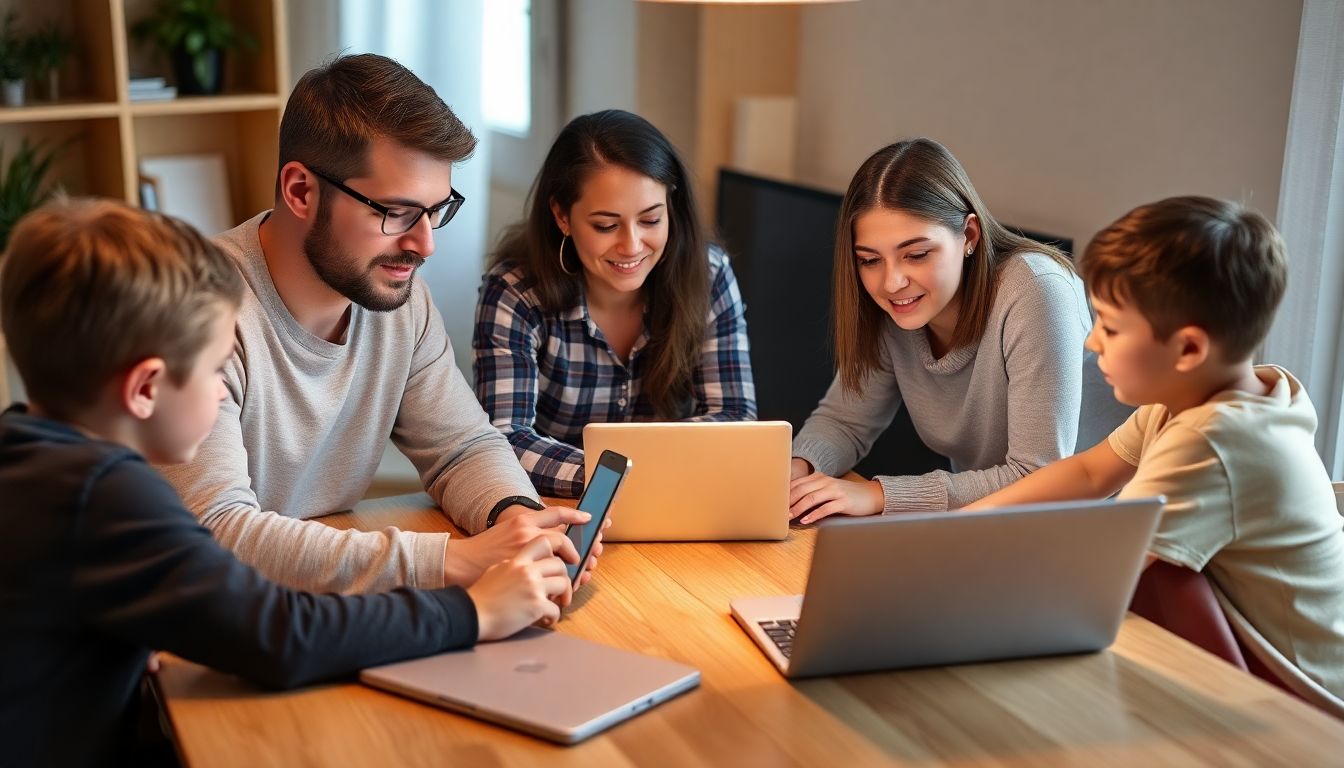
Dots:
pixel 509 501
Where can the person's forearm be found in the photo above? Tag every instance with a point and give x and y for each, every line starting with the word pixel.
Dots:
pixel 305 554
pixel 474 477
pixel 740 410
pixel 172 586
pixel 1063 480
pixel 302 638
pixel 843 427
pixel 554 466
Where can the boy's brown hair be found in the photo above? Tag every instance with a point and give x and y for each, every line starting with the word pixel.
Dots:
pixel 1195 261
pixel 89 288
pixel 336 109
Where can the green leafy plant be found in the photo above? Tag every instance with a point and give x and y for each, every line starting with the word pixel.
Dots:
pixel 49 47
pixel 14 58
pixel 195 28
pixel 24 186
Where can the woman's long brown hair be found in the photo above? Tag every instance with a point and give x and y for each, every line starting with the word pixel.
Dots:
pixel 922 178
pixel 676 293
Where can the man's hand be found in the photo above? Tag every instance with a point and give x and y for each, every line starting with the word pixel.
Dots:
pixel 525 589
pixel 467 557
pixel 593 554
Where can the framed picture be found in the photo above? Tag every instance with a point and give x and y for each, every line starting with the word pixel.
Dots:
pixel 194 188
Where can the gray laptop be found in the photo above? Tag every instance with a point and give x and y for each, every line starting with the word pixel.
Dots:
pixel 952 587
pixel 544 683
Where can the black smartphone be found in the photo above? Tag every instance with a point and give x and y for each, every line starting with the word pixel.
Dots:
pixel 596 500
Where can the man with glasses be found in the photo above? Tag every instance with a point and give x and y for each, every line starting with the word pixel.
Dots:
pixel 339 347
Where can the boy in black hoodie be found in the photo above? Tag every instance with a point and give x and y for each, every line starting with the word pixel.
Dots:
pixel 119 322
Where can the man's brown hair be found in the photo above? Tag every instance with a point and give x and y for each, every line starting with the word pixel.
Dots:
pixel 1195 261
pixel 89 288
pixel 337 109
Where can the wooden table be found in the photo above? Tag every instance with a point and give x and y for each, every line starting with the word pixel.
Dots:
pixel 1152 699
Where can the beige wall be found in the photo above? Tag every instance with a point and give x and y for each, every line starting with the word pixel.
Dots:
pixel 743 51
pixel 1065 113
pixel 668 72
pixel 601 37
pixel 681 67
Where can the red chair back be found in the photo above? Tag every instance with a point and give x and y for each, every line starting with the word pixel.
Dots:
pixel 1182 602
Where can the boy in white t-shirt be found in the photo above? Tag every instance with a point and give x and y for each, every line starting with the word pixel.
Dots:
pixel 1185 290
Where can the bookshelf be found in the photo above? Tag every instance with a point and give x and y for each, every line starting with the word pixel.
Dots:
pixel 105 133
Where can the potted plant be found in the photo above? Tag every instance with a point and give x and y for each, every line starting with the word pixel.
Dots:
pixel 194 34
pixel 23 186
pixel 48 49
pixel 13 60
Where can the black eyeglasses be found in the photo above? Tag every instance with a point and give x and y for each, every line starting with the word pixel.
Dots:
pixel 399 219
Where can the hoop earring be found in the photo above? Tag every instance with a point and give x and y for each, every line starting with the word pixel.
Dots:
pixel 562 256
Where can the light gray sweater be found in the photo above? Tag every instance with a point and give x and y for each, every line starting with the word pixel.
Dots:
pixel 997 409
pixel 304 427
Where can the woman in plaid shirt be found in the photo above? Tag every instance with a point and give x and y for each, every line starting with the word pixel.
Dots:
pixel 606 304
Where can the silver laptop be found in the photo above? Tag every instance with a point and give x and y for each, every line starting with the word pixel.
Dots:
pixel 952 587
pixel 698 481
pixel 540 682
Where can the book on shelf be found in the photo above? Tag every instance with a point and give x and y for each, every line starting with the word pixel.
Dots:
pixel 150 89
pixel 147 83
pixel 158 94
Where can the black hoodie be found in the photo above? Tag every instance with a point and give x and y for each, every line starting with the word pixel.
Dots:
pixel 100 562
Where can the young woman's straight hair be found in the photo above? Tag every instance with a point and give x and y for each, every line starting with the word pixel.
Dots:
pixel 919 177
pixel 676 293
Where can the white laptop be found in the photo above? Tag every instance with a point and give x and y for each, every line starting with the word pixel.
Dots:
pixel 952 587
pixel 698 481
pixel 540 682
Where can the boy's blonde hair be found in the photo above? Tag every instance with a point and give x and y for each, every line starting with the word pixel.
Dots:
pixel 1195 261
pixel 88 288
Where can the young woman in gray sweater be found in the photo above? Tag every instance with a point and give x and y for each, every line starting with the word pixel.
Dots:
pixel 976 330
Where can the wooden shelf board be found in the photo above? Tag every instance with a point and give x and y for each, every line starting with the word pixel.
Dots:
pixel 58 111
pixel 201 105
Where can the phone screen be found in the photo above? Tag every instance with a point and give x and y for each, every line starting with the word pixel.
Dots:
pixel 596 499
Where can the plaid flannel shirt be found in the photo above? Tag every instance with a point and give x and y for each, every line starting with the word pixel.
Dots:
pixel 542 377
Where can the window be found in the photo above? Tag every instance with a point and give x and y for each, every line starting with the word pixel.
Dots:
pixel 506 70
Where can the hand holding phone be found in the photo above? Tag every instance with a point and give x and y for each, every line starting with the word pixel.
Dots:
pixel 596 501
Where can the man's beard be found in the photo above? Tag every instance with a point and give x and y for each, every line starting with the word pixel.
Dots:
pixel 349 278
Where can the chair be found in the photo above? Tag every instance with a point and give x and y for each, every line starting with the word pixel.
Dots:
pixel 1339 497
pixel 1182 602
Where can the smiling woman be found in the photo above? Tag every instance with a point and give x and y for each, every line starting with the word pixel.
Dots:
pixel 605 303
pixel 977 331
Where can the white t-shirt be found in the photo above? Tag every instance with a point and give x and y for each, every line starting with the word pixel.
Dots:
pixel 1251 505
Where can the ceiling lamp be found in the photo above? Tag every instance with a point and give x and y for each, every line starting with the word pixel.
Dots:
pixel 749 2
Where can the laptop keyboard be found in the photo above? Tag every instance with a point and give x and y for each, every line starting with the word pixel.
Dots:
pixel 781 634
